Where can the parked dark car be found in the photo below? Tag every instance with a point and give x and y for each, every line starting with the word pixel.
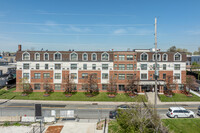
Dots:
pixel 113 114
pixel 123 106
pixel 198 112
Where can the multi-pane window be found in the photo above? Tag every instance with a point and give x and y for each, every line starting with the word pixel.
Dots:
pixel 37 66
pixel 164 75
pixel 115 66
pixel 177 57
pixel 121 87
pixel 104 86
pixel 26 75
pixel 73 66
pixel 121 57
pixel 104 66
pixel 104 57
pixel 158 57
pixel 46 56
pixel 37 75
pixel 143 66
pixel 57 75
pixel 57 86
pixel 84 66
pixel 121 76
pixel 25 66
pixel 135 66
pixel 93 66
pixel 37 56
pixel 73 75
pixel 129 66
pixel 94 57
pixel 164 67
pixel 121 67
pixel 46 66
pixel 165 57
pixel 143 76
pixel 36 86
pixel 85 57
pixel 129 76
pixel 57 56
pixel 144 57
pixel 57 66
pixel 158 66
pixel 74 56
pixel 129 57
pixel 115 57
pixel 176 66
pixel 46 75
pixel 84 75
pixel 104 75
pixel 26 56
pixel 177 76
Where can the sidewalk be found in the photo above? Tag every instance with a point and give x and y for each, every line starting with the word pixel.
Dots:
pixel 195 93
pixel 151 98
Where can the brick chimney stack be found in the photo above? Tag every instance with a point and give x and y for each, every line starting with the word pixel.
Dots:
pixel 19 47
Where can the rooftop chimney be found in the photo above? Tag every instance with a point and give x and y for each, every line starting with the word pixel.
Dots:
pixel 19 47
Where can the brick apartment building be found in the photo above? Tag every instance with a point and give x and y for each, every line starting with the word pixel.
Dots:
pixel 37 65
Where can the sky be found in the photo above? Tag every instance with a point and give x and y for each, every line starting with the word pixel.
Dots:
pixel 98 24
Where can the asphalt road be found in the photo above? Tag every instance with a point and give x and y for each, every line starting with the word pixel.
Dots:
pixel 83 111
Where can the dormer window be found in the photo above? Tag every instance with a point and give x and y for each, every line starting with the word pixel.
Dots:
pixel 37 56
pixel 177 57
pixel 57 56
pixel 46 56
pixel 104 57
pixel 26 56
pixel 94 57
pixel 85 57
pixel 144 57
pixel 73 56
pixel 165 57
pixel 154 57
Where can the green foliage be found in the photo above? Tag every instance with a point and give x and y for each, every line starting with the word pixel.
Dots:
pixel 7 123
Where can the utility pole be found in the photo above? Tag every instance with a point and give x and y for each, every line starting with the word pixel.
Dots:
pixel 156 70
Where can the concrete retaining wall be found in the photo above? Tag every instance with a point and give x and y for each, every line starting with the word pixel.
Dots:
pixel 10 118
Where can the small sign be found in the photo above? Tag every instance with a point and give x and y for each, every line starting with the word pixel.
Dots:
pixel 53 113
pixel 70 113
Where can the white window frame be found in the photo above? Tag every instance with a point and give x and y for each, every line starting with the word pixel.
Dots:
pixel 143 54
pixel 83 56
pixel 71 56
pixel 26 53
pixel 44 55
pixel 92 56
pixel 102 56
pixel 57 53
pixel 35 56
pixel 166 57
pixel 158 59
pixel 180 56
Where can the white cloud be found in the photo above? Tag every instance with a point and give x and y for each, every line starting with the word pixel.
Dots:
pixel 77 29
pixel 119 31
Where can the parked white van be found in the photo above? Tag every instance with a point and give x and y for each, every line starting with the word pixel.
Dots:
pixel 176 112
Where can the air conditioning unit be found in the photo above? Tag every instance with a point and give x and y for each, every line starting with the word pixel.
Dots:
pixel 110 68
pixel 99 69
pixel 138 69
pixel 67 68
pixel 79 68
pixel 63 68
pixel 51 68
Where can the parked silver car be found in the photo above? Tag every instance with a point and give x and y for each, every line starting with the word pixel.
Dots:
pixel 176 112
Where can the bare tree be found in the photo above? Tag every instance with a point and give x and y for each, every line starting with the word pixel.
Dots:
pixel 112 86
pixel 90 84
pixel 132 85
pixel 25 86
pixel 170 85
pixel 190 83
pixel 68 84
pixel 47 86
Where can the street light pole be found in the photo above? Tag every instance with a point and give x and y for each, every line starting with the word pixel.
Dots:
pixel 156 71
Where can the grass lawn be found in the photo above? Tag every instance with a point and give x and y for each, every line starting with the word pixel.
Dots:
pixel 79 96
pixel 183 125
pixel 114 127
pixel 179 98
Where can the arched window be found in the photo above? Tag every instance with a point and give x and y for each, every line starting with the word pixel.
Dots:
pixel 154 57
pixel 37 56
pixel 104 56
pixel 26 56
pixel 165 57
pixel 57 56
pixel 85 56
pixel 73 56
pixel 94 57
pixel 46 56
pixel 144 57
pixel 177 57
